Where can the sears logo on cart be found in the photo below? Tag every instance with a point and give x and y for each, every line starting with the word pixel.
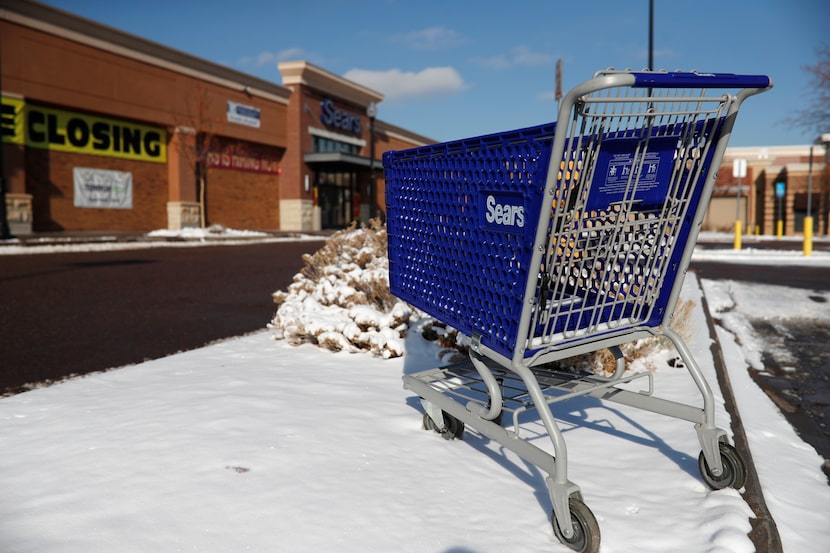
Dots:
pixel 503 211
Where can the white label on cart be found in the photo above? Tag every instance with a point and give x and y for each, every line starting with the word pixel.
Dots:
pixel 503 211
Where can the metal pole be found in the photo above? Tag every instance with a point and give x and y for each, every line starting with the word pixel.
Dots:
pixel 650 35
pixel 738 230
pixel 738 171
pixel 810 184
pixel 372 202
pixel 808 220
pixel 5 231
pixel 372 112
pixel 738 201
pixel 780 222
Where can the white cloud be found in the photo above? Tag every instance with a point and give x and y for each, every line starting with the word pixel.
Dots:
pixel 265 58
pixel 433 38
pixel 518 56
pixel 494 62
pixel 396 84
pixel 293 54
pixel 522 55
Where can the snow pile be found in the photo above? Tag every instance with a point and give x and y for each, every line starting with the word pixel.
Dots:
pixel 341 300
pixel 213 231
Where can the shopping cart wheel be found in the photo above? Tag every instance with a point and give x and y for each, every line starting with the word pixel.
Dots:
pixel 453 428
pixel 734 469
pixel 585 538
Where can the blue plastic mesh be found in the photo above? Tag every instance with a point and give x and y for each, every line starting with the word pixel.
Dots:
pixel 461 219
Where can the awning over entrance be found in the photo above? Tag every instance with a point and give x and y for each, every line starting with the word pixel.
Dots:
pixel 339 159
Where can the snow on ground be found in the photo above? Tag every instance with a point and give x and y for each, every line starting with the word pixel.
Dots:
pixel 254 445
pixel 786 465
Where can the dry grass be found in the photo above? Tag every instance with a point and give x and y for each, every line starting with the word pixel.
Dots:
pixel 603 362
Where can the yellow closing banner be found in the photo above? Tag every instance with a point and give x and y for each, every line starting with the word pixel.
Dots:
pixel 66 131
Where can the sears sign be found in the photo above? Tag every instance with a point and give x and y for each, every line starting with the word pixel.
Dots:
pixel 333 117
pixel 503 211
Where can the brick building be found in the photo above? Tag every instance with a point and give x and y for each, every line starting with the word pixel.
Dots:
pixel 780 183
pixel 106 131
pixel 103 130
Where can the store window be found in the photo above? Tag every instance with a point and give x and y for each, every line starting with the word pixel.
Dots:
pixel 327 145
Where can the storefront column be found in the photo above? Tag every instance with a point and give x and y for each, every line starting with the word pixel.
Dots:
pixel 183 205
pixel 297 215
pixel 18 202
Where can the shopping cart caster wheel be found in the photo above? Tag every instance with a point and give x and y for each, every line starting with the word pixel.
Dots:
pixel 585 538
pixel 734 469
pixel 453 428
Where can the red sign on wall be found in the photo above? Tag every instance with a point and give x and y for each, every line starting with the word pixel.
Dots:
pixel 241 158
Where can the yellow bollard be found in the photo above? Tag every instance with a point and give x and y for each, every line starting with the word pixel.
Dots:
pixel 780 228
pixel 808 236
pixel 737 242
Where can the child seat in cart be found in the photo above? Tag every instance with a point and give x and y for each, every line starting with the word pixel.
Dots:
pixel 552 241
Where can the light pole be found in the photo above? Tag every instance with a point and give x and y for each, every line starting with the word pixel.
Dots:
pixel 372 111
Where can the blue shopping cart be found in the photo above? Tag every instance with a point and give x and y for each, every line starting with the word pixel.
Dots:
pixel 552 241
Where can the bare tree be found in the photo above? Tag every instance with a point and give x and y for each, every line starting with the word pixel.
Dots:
pixel 204 124
pixel 815 113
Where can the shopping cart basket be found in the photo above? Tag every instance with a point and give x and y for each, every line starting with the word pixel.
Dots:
pixel 552 241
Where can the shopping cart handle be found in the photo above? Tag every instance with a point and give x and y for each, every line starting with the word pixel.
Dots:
pixel 699 80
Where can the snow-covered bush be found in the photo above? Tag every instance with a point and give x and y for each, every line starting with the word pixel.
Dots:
pixel 340 300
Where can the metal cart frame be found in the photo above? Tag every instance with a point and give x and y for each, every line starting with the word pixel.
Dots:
pixel 552 241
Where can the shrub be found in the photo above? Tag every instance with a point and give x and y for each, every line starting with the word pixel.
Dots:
pixel 340 299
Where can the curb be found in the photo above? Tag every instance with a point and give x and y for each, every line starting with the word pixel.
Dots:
pixel 64 239
pixel 764 533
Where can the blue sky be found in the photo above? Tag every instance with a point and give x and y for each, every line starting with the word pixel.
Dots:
pixel 452 69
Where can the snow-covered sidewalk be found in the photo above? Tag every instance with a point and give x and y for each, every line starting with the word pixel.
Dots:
pixel 254 445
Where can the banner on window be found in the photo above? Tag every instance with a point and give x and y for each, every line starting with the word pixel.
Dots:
pixel 103 189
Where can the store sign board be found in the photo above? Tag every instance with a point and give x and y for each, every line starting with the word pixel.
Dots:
pixel 101 188
pixel 243 115
pixel 47 128
pixel 341 120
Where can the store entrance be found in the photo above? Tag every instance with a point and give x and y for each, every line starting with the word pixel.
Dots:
pixel 336 197
pixel 334 206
